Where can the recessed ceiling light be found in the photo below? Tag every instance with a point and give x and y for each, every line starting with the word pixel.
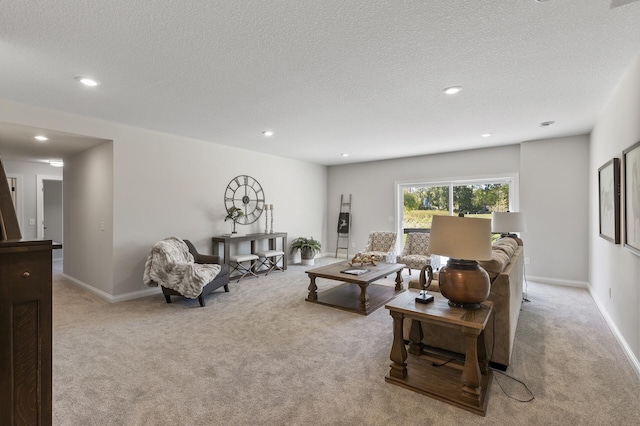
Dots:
pixel 485 135
pixel 88 81
pixel 345 154
pixel 546 123
pixel 56 163
pixel 41 138
pixel 268 133
pixel 452 90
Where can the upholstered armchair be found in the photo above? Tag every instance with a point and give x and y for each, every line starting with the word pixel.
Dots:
pixel 415 253
pixel 180 270
pixel 383 245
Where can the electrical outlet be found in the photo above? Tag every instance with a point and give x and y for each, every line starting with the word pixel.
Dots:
pixel 527 261
pixel 102 226
pixel 32 222
pixel 353 245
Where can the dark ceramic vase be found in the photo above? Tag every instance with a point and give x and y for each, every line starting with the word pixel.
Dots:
pixel 464 283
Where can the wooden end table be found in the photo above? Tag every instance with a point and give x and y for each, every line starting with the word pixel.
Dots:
pixel 418 371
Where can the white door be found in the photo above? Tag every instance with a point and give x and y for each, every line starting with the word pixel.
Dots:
pixel 12 186
pixel 50 211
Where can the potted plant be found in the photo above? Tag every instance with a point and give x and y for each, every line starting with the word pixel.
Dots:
pixel 234 214
pixel 308 248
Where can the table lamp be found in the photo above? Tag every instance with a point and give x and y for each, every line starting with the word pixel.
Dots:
pixel 464 240
pixel 507 223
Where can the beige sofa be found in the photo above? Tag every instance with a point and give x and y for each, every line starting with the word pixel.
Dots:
pixel 506 274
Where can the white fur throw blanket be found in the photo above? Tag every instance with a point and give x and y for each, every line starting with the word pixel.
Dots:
pixel 171 265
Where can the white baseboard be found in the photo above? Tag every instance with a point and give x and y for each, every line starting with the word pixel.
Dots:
pixel 623 343
pixel 556 281
pixel 339 256
pixel 108 297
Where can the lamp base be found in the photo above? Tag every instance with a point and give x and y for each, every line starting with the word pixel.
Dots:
pixel 424 297
pixel 464 283
pixel 470 306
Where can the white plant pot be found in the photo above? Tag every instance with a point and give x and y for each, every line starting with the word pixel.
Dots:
pixel 308 261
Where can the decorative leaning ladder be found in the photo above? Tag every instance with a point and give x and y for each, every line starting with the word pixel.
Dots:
pixel 344 225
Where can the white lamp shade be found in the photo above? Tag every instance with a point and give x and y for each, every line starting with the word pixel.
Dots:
pixel 506 222
pixel 466 238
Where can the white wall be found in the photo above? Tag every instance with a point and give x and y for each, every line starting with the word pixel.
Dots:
pixel 88 202
pixel 27 172
pixel 553 177
pixel 166 185
pixel 554 195
pixel 612 266
pixel 372 185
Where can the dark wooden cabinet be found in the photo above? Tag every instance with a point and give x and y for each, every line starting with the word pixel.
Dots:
pixel 25 333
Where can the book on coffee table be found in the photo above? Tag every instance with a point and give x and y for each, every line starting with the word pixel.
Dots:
pixel 355 271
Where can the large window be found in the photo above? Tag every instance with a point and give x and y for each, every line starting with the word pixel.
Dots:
pixel 476 197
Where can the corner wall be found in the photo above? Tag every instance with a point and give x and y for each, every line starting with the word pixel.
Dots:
pixel 166 185
pixel 554 195
pixel 88 218
pixel 614 270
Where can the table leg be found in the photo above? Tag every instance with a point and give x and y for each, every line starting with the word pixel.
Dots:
pixel 482 354
pixel 284 249
pixel 227 252
pixel 398 351
pixel 364 298
pixel 415 337
pixel 471 371
pixel 399 280
pixel 313 295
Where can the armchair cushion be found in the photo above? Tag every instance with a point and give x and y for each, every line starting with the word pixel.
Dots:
pixel 381 244
pixel 171 265
pixel 415 253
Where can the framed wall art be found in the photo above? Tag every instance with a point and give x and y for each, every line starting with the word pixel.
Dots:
pixel 609 200
pixel 631 162
pixel 343 223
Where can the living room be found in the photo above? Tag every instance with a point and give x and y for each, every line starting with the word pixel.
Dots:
pixel 146 185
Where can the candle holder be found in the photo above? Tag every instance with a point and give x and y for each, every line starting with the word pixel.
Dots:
pixel 266 218
pixel 271 230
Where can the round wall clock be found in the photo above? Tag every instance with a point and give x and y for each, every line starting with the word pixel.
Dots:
pixel 246 194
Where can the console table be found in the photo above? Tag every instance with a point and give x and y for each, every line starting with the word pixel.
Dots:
pixel 226 240
pixel 418 371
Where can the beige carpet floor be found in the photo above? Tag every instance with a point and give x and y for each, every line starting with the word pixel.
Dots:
pixel 262 355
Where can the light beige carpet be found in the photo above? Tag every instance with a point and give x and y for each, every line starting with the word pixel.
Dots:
pixel 262 355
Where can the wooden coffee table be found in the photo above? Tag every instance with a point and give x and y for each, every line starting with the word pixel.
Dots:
pixel 362 298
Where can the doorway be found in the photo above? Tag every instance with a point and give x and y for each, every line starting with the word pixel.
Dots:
pixel 15 186
pixel 49 210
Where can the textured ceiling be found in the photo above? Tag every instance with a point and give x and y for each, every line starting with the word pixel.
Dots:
pixel 360 76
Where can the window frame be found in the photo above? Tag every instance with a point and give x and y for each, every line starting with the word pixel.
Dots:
pixel 512 179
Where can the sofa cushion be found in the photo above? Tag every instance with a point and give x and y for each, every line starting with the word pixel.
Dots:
pixel 499 259
pixel 507 245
